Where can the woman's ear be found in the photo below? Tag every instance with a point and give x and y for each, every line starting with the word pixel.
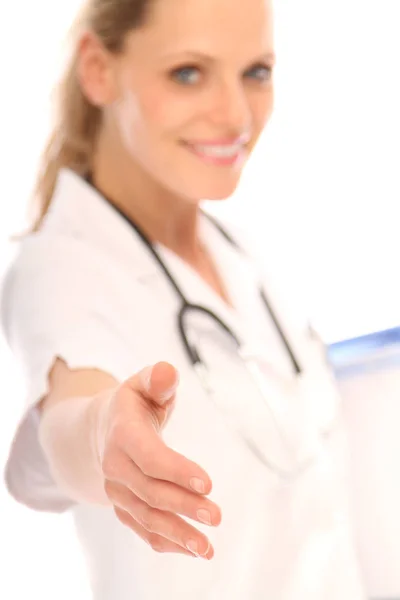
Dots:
pixel 95 71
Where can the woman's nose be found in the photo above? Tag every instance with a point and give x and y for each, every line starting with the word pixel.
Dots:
pixel 230 107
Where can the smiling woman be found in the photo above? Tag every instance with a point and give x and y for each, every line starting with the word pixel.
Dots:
pixel 161 106
pixel 167 97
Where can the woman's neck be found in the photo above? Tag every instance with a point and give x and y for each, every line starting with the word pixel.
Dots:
pixel 163 216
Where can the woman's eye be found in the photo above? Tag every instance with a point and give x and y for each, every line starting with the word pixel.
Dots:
pixel 186 75
pixel 260 72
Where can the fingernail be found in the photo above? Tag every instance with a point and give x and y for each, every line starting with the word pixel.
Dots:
pixel 146 378
pixel 197 485
pixel 167 394
pixel 204 516
pixel 193 547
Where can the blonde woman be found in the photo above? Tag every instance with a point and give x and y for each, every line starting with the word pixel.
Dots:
pixel 129 310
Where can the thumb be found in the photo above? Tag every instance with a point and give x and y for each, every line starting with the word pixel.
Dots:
pixel 158 383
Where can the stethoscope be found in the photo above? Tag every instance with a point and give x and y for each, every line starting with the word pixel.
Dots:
pixel 188 309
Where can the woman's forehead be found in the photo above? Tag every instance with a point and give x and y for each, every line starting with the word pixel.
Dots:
pixel 206 25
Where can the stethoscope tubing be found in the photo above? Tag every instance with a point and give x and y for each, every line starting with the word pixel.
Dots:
pixel 187 306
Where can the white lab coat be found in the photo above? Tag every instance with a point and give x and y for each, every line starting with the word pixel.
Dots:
pixel 86 289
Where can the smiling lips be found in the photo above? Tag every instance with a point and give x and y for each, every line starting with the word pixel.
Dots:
pixel 220 152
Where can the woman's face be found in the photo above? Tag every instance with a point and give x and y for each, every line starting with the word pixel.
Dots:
pixel 194 92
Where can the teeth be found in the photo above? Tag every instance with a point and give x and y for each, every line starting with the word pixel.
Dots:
pixel 219 151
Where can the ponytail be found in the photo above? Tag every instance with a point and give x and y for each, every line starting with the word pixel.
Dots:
pixel 72 141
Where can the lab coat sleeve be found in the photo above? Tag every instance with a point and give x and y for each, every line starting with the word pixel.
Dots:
pixel 59 299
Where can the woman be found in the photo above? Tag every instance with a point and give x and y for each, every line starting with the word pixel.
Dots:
pixel 161 106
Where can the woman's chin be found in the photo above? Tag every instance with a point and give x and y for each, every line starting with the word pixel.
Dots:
pixel 219 191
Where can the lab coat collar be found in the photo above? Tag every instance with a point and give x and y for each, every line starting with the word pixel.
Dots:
pixel 79 210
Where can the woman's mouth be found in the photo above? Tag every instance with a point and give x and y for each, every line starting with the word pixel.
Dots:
pixel 218 154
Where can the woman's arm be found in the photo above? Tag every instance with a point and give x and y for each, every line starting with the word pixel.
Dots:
pixel 103 443
pixel 70 416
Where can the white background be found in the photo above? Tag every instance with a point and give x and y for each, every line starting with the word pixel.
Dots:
pixel 321 197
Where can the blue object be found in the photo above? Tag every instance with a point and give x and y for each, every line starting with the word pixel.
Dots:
pixel 370 352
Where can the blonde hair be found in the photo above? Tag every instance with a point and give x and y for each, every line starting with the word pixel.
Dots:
pixel 71 143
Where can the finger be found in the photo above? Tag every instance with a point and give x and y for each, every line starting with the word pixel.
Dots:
pixel 161 523
pixel 157 542
pixel 166 496
pixel 157 383
pixel 145 447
